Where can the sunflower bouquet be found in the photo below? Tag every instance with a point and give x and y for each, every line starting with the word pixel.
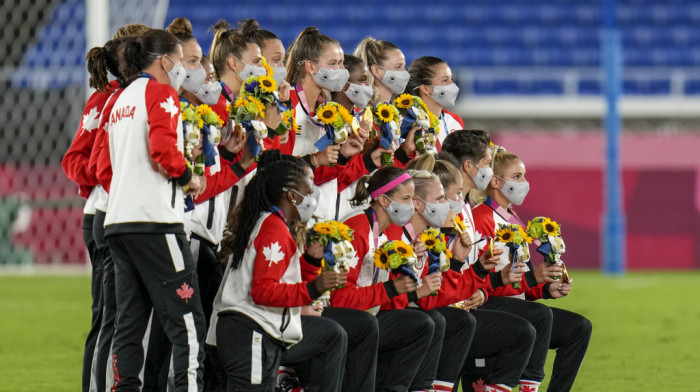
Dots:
pixel 338 253
pixel 338 123
pixel 414 112
pixel 397 257
pixel 247 113
pixel 386 118
pixel 211 126
pixel 514 238
pixel 552 246
pixel 438 254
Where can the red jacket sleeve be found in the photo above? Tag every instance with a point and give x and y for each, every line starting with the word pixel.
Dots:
pixel 163 108
pixel 75 162
pixel 100 161
pixel 351 296
pixel 275 249
pixel 222 180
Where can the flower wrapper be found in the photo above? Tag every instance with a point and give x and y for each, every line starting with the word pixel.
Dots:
pixel 385 117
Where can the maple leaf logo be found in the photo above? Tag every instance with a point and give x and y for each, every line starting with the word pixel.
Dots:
pixel 479 386
pixel 527 388
pixel 185 292
pixel 169 106
pixel 273 253
pixel 90 120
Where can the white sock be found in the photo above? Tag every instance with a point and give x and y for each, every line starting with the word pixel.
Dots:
pixel 497 388
pixel 529 386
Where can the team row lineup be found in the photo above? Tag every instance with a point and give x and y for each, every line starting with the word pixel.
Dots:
pixel 267 218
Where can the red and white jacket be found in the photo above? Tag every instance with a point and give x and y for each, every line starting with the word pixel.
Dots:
pixel 486 221
pixel 449 122
pixel 367 287
pixel 267 285
pixel 145 134
pixel 75 162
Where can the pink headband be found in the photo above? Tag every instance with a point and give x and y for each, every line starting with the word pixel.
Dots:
pixel 391 185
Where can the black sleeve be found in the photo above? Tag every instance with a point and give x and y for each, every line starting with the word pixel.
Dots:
pixel 530 278
pixel 400 154
pixel 238 170
pixel 480 270
pixel 316 262
pixel 184 178
pixel 390 289
pixel 342 160
pixel 456 265
pixel 369 163
pixel 312 289
pixel 412 296
pixel 496 279
pixel 545 291
pixel 227 155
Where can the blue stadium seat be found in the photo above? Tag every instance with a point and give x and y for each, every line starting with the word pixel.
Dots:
pixel 479 33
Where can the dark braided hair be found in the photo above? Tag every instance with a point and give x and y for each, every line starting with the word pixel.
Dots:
pixel 264 191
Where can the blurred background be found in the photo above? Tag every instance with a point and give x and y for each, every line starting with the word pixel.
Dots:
pixel 529 72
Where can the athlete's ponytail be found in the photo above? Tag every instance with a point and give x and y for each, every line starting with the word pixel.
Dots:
pixel 309 45
pixel 141 52
pixel 368 184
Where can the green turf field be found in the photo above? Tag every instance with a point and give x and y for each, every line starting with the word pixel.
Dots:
pixel 645 331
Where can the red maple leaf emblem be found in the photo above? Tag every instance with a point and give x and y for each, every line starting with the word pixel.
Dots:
pixel 526 388
pixel 479 386
pixel 185 292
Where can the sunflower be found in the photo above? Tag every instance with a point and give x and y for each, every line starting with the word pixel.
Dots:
pixel 404 249
pixel 327 114
pixel 344 114
pixel 267 84
pixel 381 259
pixel 505 235
pixel 385 112
pixel 254 105
pixel 550 227
pixel 404 101
pixel 323 228
pixel 240 101
pixel 448 254
pixel 429 239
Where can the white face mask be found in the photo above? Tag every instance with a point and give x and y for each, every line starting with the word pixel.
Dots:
pixel 209 93
pixel 400 213
pixel 331 79
pixel 177 73
pixel 194 78
pixel 308 204
pixel 456 205
pixel 251 70
pixel 435 213
pixel 482 177
pixel 445 95
pixel 514 191
pixel 359 94
pixel 279 73
pixel 395 81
